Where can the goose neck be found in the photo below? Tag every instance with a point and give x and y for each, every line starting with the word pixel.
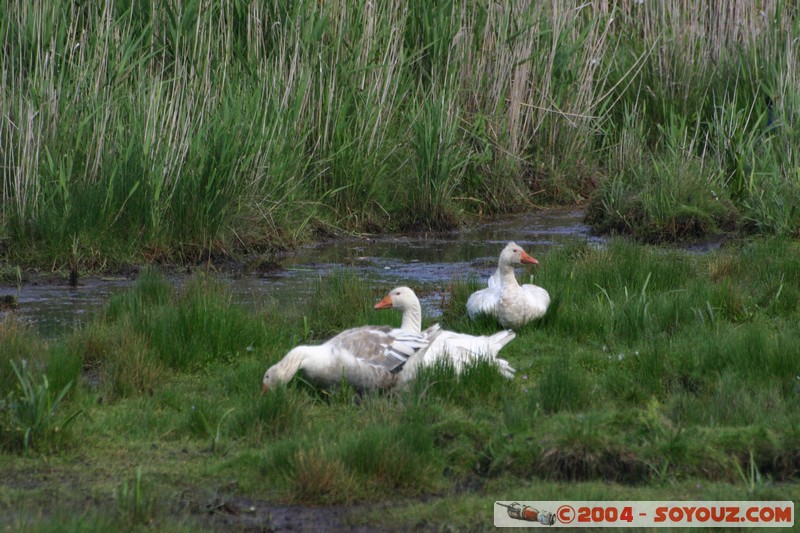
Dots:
pixel 412 319
pixel 507 276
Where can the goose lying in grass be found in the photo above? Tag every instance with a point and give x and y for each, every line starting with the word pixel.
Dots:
pixel 368 357
pixel 513 304
pixel 459 348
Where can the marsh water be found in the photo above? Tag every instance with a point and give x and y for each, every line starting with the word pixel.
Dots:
pixel 419 259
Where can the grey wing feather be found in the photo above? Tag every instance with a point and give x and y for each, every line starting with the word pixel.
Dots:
pixel 380 346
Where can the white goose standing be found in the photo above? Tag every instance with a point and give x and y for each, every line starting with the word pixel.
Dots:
pixel 459 348
pixel 513 304
pixel 367 357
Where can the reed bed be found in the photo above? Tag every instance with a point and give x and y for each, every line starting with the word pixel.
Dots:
pixel 138 131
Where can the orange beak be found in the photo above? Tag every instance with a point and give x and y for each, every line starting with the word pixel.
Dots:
pixel 528 260
pixel 263 389
pixel 386 303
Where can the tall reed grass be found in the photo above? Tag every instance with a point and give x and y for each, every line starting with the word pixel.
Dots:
pixel 188 127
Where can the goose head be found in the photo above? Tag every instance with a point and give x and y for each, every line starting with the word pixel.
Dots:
pixel 272 377
pixel 513 255
pixel 268 381
pixel 401 298
pixel 405 300
pixel 283 371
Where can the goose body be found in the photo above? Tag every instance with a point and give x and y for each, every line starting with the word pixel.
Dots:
pixel 461 349
pixel 513 305
pixel 368 357
pixel 458 348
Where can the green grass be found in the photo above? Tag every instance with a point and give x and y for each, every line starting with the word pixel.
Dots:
pixel 664 201
pixel 32 417
pixel 659 374
pixel 187 132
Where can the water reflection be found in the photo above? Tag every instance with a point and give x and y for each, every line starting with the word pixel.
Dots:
pixel 423 259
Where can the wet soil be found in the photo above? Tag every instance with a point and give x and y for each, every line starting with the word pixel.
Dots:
pixel 197 507
pixel 246 514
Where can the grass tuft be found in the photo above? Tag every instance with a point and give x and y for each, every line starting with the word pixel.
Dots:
pixel 136 503
pixel 316 478
pixel 478 382
pixel 562 387
pixel 396 458
pixel 30 418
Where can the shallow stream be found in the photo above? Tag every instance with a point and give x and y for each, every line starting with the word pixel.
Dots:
pixel 411 259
